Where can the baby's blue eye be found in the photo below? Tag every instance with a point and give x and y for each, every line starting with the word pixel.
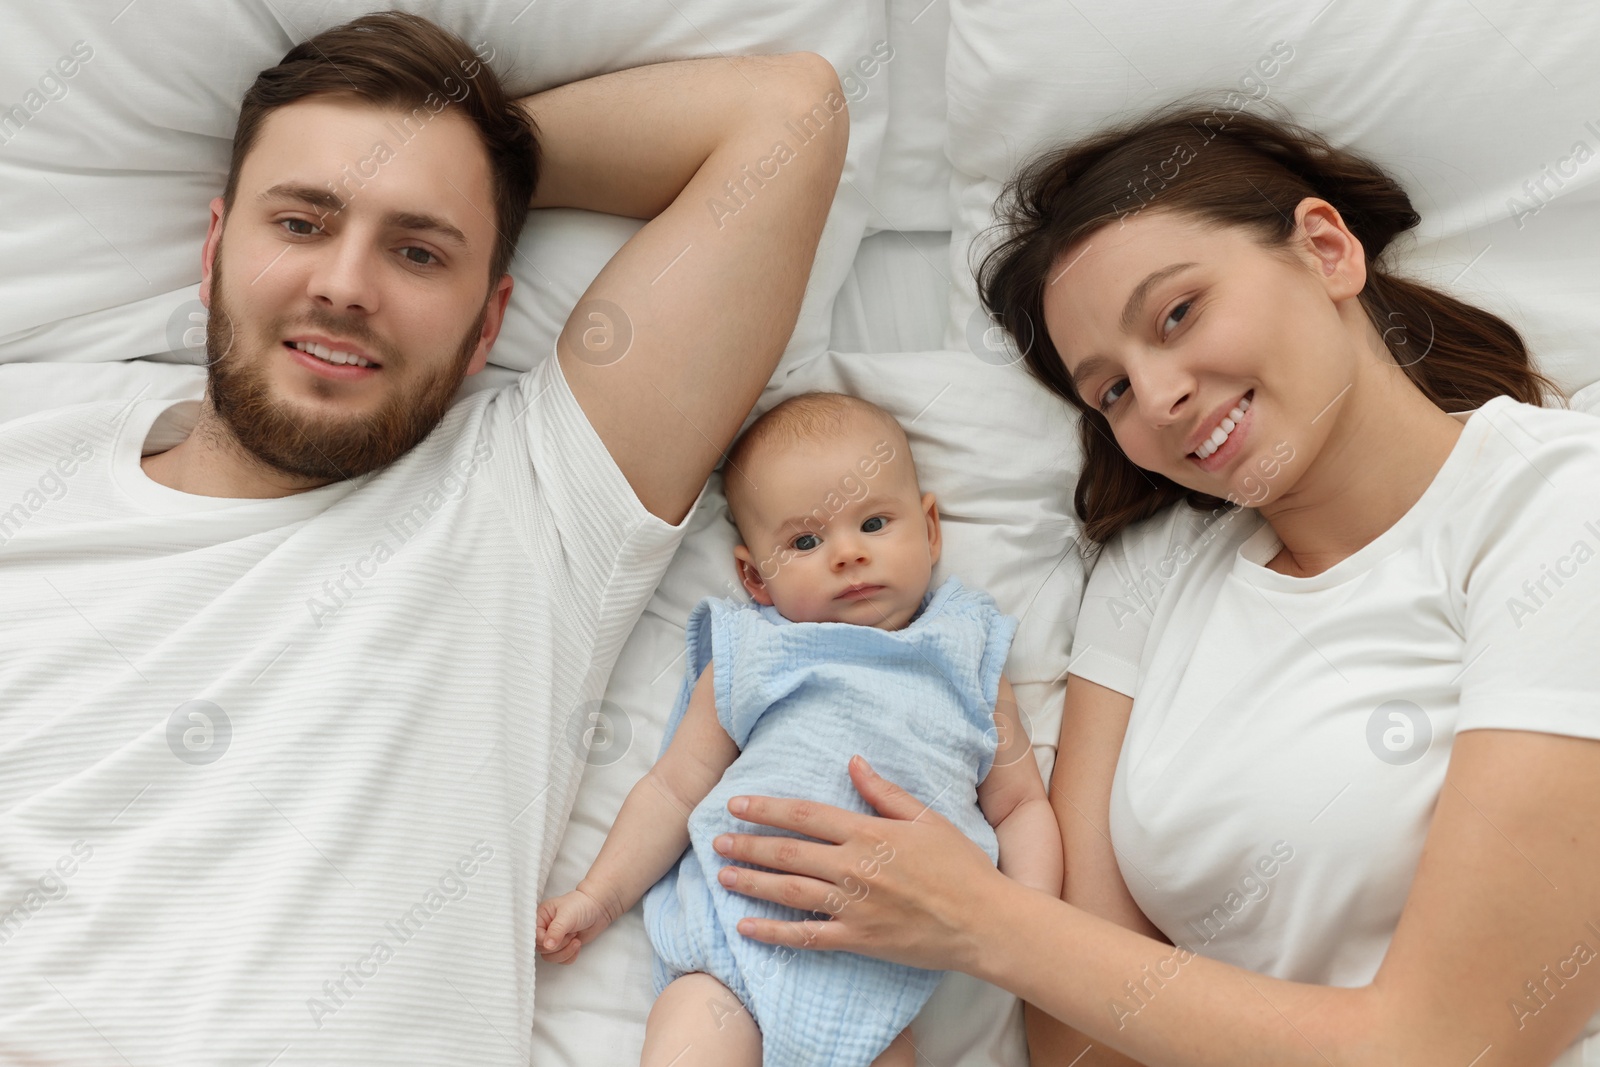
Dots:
pixel 875 519
pixel 798 546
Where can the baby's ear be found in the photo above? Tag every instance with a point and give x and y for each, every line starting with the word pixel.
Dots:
pixel 930 509
pixel 750 575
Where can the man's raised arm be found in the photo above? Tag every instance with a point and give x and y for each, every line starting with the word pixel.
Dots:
pixel 735 161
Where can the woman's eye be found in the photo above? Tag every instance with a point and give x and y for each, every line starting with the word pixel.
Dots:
pixel 413 252
pixel 805 542
pixel 1105 405
pixel 1183 307
pixel 291 224
pixel 879 519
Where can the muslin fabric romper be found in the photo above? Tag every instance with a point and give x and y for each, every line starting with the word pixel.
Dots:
pixel 799 699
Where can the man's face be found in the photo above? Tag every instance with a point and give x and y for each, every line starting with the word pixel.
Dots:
pixel 346 236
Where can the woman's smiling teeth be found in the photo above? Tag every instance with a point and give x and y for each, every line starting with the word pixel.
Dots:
pixel 327 355
pixel 1224 428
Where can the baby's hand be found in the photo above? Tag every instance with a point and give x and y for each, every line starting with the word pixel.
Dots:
pixel 567 923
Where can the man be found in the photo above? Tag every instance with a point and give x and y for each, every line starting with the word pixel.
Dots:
pixel 291 674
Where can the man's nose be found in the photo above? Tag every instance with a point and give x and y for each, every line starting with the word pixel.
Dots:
pixel 345 276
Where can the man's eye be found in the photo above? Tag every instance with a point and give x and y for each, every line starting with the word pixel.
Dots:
pixel 292 224
pixel 879 519
pixel 413 252
pixel 805 542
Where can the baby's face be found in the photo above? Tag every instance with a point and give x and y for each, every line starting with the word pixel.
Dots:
pixel 836 531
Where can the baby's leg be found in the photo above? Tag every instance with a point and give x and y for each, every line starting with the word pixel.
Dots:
pixel 697 1020
pixel 899 1053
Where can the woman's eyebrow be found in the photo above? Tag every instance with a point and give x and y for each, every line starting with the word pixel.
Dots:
pixel 1142 291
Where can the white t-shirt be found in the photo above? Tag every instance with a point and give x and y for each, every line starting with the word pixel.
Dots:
pixel 1289 736
pixel 281 780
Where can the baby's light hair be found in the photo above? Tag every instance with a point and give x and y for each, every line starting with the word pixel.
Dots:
pixel 812 416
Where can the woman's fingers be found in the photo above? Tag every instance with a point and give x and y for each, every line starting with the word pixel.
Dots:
pixel 822 821
pixel 818 934
pixel 781 853
pixel 802 894
pixel 887 798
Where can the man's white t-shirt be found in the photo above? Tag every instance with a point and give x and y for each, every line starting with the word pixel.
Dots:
pixel 281 780
pixel 1289 736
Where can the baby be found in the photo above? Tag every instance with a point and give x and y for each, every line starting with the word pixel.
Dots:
pixel 846 650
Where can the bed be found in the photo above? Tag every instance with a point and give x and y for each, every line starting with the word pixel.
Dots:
pixel 1484 111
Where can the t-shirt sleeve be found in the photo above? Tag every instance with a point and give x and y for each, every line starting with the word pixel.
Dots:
pixel 1532 595
pixel 609 540
pixel 1114 618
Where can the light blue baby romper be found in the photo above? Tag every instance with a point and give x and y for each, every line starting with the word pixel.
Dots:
pixel 799 699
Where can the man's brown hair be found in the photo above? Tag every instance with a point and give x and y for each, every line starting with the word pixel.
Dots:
pixel 392 59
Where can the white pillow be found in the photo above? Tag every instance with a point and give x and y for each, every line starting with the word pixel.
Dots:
pixel 913 185
pixel 113 165
pixel 1461 103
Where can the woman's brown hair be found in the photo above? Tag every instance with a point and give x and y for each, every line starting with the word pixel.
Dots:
pixel 1227 168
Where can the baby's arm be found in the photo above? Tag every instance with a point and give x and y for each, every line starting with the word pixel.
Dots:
pixel 649 835
pixel 1013 799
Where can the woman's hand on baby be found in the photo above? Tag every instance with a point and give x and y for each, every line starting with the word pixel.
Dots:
pixel 907 887
pixel 567 923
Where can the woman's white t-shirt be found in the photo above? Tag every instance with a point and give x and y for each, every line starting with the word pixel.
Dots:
pixel 1289 736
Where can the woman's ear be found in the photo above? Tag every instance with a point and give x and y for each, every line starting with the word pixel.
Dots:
pixel 750 575
pixel 1336 254
pixel 930 508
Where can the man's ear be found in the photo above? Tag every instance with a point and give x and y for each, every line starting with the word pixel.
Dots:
pixel 750 575
pixel 930 508
pixel 494 317
pixel 208 250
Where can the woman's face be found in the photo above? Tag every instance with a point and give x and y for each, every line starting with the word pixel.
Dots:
pixel 1167 322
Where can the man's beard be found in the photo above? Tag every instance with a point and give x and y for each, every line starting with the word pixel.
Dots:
pixel 325 449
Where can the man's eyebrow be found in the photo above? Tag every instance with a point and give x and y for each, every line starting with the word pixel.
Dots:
pixel 330 203
pixel 304 194
pixel 411 220
pixel 1130 312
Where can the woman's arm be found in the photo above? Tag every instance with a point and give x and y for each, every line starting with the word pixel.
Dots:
pixel 1013 801
pixel 650 832
pixel 1493 962
pixel 1094 720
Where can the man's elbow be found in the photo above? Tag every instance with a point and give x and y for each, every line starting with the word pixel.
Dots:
pixel 816 108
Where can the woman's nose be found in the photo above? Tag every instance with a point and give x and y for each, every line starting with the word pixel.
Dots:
pixel 1158 389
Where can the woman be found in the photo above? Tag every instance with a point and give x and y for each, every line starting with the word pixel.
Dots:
pixel 1353 818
